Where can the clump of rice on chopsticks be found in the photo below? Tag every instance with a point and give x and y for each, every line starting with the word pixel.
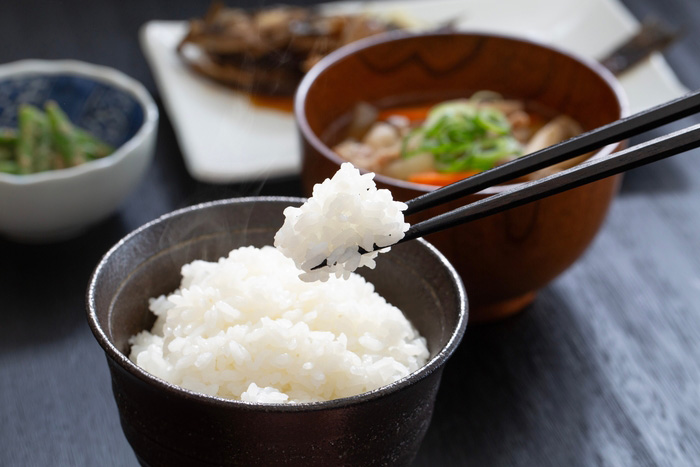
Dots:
pixel 344 213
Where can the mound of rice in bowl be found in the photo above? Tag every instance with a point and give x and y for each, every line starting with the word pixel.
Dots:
pixel 344 212
pixel 248 328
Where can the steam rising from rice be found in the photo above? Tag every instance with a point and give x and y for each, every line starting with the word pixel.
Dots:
pixel 343 213
pixel 246 327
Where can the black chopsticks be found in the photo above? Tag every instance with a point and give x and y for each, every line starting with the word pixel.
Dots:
pixel 586 172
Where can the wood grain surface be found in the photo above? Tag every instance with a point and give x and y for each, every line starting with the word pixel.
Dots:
pixel 603 369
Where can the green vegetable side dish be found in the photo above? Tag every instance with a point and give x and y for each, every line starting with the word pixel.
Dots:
pixel 463 136
pixel 46 140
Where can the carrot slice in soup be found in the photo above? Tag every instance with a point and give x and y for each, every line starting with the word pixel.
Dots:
pixel 413 114
pixel 440 179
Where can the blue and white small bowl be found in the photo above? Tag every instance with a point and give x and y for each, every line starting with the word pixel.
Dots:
pixel 59 204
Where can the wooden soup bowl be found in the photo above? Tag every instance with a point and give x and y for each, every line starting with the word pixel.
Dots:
pixel 506 258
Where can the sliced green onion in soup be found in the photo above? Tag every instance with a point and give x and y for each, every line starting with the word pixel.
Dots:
pixel 462 137
pixel 450 110
pixel 493 121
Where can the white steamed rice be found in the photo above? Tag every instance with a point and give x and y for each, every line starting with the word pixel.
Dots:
pixel 344 212
pixel 247 328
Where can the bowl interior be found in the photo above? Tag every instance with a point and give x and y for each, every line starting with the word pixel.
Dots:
pixel 413 276
pixel 413 69
pixel 104 110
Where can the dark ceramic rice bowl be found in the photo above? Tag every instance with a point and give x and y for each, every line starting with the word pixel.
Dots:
pixel 168 425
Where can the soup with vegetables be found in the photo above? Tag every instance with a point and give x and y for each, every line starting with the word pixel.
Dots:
pixel 442 143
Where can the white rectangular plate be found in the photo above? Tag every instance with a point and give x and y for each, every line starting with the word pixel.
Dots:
pixel 226 139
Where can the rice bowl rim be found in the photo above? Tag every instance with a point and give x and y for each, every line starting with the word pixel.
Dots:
pixel 125 363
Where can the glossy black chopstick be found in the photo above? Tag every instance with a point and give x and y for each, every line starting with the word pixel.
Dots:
pixel 586 142
pixel 586 172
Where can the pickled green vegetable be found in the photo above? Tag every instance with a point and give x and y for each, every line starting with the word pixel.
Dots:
pixel 8 139
pixel 64 136
pixel 91 146
pixel 10 167
pixel 8 136
pixel 46 141
pixel 30 125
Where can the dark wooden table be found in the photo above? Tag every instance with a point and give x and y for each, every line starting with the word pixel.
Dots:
pixel 602 370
